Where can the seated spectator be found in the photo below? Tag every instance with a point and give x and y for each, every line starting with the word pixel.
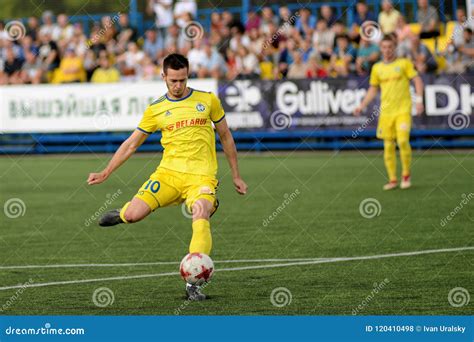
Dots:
pixel 253 21
pixel 268 17
pixel 130 62
pixel 105 73
pixel 306 23
pixel 125 32
pixel 65 29
pixel 404 34
pixel 174 37
pixel 11 68
pixel 182 8
pixel 32 28
pixel 298 68
pixel 71 68
pixel 107 30
pixel 48 52
pixel 153 45
pixel 421 56
pixel 214 64
pixel 27 44
pixel 257 41
pixel 286 57
pixel 231 64
pixel 238 38
pixel 361 16
pixel 149 71
pixel 31 71
pixel 460 57
pixel 315 69
pixel 427 17
pixel 90 62
pixel 343 56
pixel 196 57
pixel 49 27
pixel 388 17
pixel 247 63
pixel 326 14
pixel 323 39
pixel 367 55
pixel 306 50
pixel 461 20
pixel 163 10
pixel 286 21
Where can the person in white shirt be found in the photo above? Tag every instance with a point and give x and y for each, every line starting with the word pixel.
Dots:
pixel 181 8
pixel 163 10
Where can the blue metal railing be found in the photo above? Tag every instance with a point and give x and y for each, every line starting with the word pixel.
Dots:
pixel 344 11
pixel 255 141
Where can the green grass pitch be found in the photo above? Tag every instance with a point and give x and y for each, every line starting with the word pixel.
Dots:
pixel 314 200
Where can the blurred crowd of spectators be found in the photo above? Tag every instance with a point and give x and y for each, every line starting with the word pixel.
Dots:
pixel 268 45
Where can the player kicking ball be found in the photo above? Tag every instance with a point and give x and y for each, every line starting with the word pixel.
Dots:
pixel 187 171
pixel 393 76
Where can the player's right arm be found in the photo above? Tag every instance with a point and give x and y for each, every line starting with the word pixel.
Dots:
pixel 369 97
pixel 124 152
pixel 371 93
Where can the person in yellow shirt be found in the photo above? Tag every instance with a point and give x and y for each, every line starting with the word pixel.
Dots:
pixel 105 73
pixel 188 168
pixel 392 75
pixel 388 17
pixel 71 68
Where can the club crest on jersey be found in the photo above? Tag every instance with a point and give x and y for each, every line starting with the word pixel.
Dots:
pixel 397 69
pixel 200 107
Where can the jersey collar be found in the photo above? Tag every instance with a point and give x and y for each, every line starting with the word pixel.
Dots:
pixel 181 99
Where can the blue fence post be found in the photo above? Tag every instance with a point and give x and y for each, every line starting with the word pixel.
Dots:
pixel 245 10
pixel 133 13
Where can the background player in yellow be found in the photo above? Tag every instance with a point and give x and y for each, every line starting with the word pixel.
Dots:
pixel 187 171
pixel 392 75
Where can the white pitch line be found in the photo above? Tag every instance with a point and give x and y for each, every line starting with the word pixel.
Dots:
pixel 14 267
pixel 309 262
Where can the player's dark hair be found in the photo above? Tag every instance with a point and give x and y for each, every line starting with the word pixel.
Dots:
pixel 175 61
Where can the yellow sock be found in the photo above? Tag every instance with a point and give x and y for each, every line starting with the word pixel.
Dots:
pixel 201 242
pixel 405 156
pixel 390 159
pixel 122 212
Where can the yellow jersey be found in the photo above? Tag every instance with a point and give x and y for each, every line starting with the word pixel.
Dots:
pixel 394 82
pixel 188 137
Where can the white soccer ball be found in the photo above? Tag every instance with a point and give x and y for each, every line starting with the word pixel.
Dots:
pixel 196 268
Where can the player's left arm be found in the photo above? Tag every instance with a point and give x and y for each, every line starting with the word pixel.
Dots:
pixel 230 151
pixel 419 87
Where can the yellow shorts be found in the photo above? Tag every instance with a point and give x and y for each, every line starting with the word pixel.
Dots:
pixel 167 187
pixel 393 127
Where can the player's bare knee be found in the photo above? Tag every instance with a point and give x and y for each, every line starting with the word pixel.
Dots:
pixel 132 216
pixel 201 210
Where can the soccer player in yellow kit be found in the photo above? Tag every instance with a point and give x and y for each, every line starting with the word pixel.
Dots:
pixel 187 171
pixel 392 75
